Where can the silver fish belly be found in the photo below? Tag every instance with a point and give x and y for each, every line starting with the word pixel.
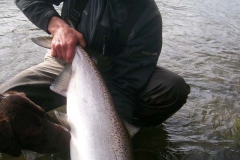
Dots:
pixel 97 132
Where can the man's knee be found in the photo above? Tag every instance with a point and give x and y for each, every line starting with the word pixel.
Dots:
pixel 165 87
pixel 165 94
pixel 13 84
pixel 179 88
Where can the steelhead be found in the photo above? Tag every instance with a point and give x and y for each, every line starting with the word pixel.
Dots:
pixel 97 131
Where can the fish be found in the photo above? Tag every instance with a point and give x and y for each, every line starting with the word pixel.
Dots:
pixel 97 130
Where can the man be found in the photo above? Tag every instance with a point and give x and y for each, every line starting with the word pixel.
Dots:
pixel 143 93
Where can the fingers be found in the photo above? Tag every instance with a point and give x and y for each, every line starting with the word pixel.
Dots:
pixel 53 53
pixel 58 50
pixel 70 54
pixel 81 40
pixel 64 43
pixel 64 51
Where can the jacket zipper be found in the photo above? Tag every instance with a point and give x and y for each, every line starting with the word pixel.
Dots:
pixel 94 39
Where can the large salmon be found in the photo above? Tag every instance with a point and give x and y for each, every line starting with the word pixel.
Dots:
pixel 97 131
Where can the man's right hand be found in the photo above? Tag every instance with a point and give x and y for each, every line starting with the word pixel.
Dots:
pixel 64 40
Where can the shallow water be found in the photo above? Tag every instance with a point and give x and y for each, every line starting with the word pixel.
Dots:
pixel 201 42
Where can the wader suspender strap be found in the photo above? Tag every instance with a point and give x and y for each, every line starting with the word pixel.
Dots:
pixel 134 10
pixel 76 11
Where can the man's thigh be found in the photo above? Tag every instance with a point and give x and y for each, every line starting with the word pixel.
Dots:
pixel 35 83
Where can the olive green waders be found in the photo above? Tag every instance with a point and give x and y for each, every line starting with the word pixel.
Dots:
pixel 165 93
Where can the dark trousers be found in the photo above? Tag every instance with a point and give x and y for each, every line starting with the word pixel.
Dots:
pixel 165 93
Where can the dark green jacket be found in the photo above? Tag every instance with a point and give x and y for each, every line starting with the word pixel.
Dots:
pixel 133 64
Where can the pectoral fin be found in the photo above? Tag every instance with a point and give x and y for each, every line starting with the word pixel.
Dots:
pixel 60 85
pixel 132 129
pixel 63 119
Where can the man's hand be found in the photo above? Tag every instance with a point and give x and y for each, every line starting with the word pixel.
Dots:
pixel 64 40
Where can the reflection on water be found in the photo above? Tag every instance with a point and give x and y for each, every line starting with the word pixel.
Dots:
pixel 201 43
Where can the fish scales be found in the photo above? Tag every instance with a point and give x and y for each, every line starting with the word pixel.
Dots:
pixel 97 130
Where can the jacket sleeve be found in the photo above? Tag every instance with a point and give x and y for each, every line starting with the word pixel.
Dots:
pixel 38 12
pixel 134 66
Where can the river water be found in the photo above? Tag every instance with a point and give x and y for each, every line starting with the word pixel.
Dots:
pixel 201 42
